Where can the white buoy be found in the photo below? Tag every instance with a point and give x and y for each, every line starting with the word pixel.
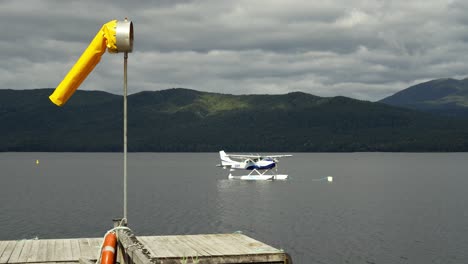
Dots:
pixel 329 178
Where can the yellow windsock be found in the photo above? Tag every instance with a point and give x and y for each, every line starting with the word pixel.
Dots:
pixel 106 37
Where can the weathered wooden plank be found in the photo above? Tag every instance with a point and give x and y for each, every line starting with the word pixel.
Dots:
pixel 3 246
pixel 185 248
pixel 256 245
pixel 249 246
pixel 238 259
pixel 238 242
pixel 34 251
pixel 88 248
pixel 63 251
pixel 203 245
pixel 67 251
pixel 58 251
pixel 157 246
pixel 236 246
pixel 96 243
pixel 200 251
pixel 163 245
pixel 177 248
pixel 84 248
pixel 56 262
pixel 7 252
pixel 220 245
pixel 86 261
pixel 23 257
pixel 50 255
pixel 41 255
pixel 75 248
pixel 229 246
pixel 95 248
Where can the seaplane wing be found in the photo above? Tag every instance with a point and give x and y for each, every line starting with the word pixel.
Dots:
pixel 277 156
pixel 239 156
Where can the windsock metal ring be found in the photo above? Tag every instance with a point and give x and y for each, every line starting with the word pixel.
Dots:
pixel 124 36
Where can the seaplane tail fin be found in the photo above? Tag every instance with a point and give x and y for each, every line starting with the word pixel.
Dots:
pixel 225 160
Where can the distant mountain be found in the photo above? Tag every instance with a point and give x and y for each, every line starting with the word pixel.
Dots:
pixel 187 120
pixel 441 96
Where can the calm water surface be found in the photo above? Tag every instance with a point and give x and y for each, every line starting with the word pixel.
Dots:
pixel 381 207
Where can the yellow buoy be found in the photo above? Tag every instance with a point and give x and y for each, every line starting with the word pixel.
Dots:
pixel 37 162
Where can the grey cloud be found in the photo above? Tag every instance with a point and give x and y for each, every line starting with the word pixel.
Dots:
pixel 360 48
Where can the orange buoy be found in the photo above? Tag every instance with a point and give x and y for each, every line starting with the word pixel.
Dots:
pixel 109 249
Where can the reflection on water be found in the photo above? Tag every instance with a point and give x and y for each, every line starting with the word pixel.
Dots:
pixel 255 195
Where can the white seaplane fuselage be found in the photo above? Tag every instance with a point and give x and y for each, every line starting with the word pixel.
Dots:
pixel 258 165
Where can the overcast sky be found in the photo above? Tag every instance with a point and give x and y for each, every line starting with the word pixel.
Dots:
pixel 360 49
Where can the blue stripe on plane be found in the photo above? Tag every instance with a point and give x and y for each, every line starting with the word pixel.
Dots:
pixel 272 165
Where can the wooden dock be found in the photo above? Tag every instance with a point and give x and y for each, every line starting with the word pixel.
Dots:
pixel 49 250
pixel 207 248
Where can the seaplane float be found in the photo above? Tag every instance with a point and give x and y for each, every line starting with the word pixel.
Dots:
pixel 259 166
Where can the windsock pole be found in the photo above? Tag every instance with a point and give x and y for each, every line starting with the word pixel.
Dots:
pixel 125 133
pixel 124 42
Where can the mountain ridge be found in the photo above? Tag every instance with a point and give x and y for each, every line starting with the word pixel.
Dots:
pixel 446 96
pixel 187 120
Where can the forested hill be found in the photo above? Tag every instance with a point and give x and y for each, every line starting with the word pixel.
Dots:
pixel 188 120
pixel 447 97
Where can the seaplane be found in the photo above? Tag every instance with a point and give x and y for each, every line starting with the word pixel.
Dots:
pixel 259 165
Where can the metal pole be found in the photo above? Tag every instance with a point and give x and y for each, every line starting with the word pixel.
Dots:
pixel 125 135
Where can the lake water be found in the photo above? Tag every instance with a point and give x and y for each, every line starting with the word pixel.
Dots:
pixel 380 208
